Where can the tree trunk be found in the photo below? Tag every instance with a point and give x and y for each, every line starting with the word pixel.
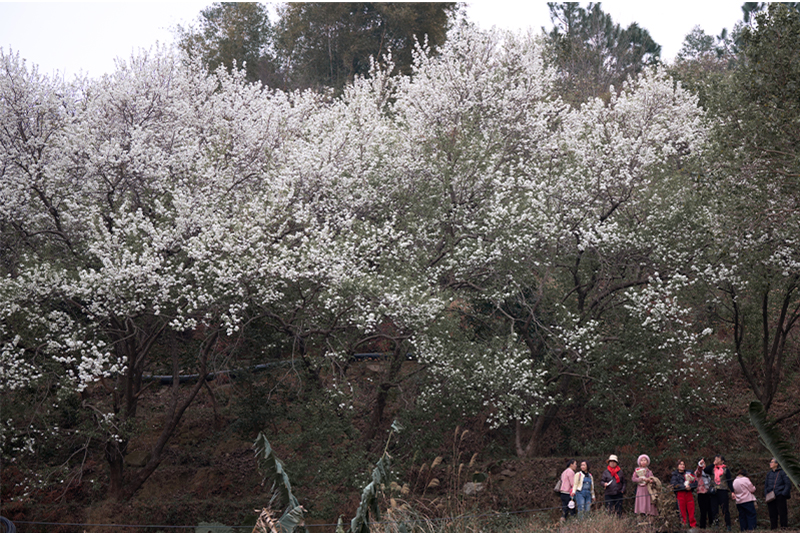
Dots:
pixel 541 425
pixel 389 382
pixel 115 457
pixel 766 377
pixel 175 410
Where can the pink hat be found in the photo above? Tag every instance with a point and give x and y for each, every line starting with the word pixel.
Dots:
pixel 639 460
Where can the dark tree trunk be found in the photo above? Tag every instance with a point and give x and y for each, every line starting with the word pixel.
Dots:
pixel 124 487
pixel 115 457
pixel 765 376
pixel 535 442
pixel 389 382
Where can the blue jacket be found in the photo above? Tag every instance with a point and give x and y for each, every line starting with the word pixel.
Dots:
pixel 778 481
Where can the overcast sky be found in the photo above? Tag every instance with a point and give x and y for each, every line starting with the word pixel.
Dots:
pixel 70 37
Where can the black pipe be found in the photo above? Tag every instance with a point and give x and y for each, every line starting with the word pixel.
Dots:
pixel 167 380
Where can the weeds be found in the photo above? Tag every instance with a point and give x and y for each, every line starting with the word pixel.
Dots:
pixel 406 520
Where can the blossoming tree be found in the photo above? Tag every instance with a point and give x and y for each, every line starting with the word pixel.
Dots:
pixel 121 191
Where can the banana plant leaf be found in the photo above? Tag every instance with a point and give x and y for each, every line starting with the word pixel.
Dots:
pixel 369 497
pixel 292 520
pixel 772 439
pixel 273 471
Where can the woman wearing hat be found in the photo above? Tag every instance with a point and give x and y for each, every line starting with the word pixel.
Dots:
pixel 643 477
pixel 613 482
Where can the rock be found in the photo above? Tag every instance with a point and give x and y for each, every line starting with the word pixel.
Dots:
pixel 471 488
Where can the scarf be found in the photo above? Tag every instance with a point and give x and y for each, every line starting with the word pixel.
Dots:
pixel 615 472
pixel 718 471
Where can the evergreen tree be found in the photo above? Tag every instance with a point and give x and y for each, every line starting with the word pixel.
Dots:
pixel 232 33
pixel 328 44
pixel 596 52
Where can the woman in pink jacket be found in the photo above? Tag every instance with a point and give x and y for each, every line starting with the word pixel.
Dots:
pixel 567 482
pixel 744 494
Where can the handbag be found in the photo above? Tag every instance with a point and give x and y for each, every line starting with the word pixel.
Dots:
pixel 771 494
pixel 558 486
pixel 711 486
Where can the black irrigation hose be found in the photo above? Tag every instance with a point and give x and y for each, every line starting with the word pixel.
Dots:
pixel 189 378
pixel 8 525
pixel 167 380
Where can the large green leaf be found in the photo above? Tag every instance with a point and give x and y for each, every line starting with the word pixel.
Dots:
pixel 272 469
pixel 773 441
pixel 381 475
pixel 369 497
pixel 292 519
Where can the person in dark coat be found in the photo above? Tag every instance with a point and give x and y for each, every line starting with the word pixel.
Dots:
pixel 723 481
pixel 777 482
pixel 613 483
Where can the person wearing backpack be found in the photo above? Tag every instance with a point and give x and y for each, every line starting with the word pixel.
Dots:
pixel 778 484
pixel 723 482
pixel 705 491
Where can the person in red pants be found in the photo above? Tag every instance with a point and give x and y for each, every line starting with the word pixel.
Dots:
pixel 684 483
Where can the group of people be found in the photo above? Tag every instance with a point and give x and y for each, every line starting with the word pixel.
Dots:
pixel 713 483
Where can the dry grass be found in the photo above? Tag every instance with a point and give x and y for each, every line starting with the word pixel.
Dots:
pixel 405 521
pixel 602 522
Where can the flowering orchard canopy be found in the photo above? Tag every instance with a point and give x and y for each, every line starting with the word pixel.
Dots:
pixel 161 198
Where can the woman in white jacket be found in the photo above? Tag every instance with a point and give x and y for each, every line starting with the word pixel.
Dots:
pixel 583 489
